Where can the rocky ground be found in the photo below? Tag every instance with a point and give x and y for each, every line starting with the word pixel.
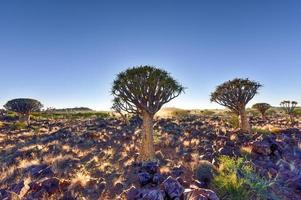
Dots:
pixel 97 158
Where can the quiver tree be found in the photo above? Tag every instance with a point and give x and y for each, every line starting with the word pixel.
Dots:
pixel 289 108
pixel 24 107
pixel 262 108
pixel 143 90
pixel 235 95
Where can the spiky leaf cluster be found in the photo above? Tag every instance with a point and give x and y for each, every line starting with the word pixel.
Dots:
pixel 261 107
pixel 23 105
pixel 144 88
pixel 235 94
pixel 289 106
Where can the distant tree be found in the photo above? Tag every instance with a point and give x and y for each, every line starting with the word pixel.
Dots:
pixel 235 95
pixel 24 107
pixel 144 90
pixel 262 108
pixel 289 108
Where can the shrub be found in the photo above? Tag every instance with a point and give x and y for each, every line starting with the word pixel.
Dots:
pixel 235 95
pixel 207 112
pixel 180 113
pixel 232 120
pixel 18 125
pixel 204 172
pixel 237 180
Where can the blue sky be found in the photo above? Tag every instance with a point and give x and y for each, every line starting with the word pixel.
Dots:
pixel 67 53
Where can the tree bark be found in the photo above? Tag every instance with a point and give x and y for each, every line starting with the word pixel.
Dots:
pixel 147 151
pixel 25 118
pixel 244 122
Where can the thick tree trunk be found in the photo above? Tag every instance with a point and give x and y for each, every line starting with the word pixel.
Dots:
pixel 25 118
pixel 263 116
pixel 244 122
pixel 147 151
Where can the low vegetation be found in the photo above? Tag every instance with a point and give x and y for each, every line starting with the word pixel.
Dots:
pixel 237 180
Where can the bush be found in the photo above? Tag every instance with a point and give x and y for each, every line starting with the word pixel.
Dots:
pixel 233 121
pixel 207 112
pixel 298 112
pixel 18 125
pixel 179 113
pixel 237 180
pixel 204 172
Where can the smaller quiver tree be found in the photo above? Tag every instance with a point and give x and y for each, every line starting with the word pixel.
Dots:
pixel 23 107
pixel 235 95
pixel 289 108
pixel 262 108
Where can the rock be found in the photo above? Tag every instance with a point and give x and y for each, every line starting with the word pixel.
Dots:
pixel 21 188
pixel 173 188
pixel 40 171
pixel 150 167
pixel 131 193
pixel 200 194
pixel 51 185
pixel 295 183
pixel 144 194
pixel 144 178
pixel 227 151
pixel 157 178
pixel 261 147
pixel 177 171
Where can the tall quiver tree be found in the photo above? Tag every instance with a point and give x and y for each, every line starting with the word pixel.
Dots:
pixel 289 108
pixel 24 107
pixel 235 95
pixel 144 90
pixel 262 108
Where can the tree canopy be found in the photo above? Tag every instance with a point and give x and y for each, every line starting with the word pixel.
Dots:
pixel 235 94
pixel 23 105
pixel 144 88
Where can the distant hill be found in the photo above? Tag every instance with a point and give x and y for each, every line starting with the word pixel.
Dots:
pixel 76 109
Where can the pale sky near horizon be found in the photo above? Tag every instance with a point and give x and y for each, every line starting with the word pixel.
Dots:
pixel 67 53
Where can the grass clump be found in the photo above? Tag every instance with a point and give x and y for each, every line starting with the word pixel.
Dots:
pixel 237 180
pixel 18 126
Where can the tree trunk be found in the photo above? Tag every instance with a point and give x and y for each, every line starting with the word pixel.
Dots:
pixel 263 116
pixel 25 118
pixel 244 122
pixel 147 151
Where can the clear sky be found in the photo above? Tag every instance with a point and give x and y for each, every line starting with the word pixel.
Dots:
pixel 67 53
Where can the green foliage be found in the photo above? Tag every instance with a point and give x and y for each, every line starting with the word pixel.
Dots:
pixel 253 112
pixel 232 120
pixel 23 105
pixel 70 115
pixel 180 113
pixel 271 112
pixel 237 180
pixel 235 94
pixel 298 112
pixel 18 126
pixel 144 88
pixel 207 112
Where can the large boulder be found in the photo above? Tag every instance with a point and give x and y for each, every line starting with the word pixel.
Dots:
pixel 200 194
pixel 261 148
pixel 173 188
